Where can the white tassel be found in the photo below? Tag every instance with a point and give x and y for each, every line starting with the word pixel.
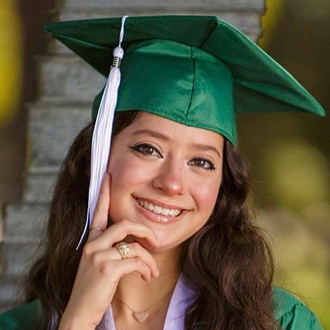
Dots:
pixel 101 141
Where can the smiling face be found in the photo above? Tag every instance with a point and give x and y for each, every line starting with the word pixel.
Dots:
pixel 165 175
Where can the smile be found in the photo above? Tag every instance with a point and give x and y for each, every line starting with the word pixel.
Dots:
pixel 157 209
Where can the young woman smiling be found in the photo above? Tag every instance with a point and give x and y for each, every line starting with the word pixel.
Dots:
pixel 171 244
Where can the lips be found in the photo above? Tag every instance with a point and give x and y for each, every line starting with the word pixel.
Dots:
pixel 158 209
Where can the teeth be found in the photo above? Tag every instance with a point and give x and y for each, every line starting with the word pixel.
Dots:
pixel 157 209
pixel 172 213
pixel 166 211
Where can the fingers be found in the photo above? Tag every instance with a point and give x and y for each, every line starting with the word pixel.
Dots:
pixel 119 231
pixel 137 251
pixel 100 219
pixel 115 270
pixel 103 247
pixel 139 260
pixel 135 265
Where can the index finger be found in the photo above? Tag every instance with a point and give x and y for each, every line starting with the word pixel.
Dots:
pixel 100 219
pixel 120 230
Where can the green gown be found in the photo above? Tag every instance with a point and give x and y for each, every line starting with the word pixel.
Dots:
pixel 290 313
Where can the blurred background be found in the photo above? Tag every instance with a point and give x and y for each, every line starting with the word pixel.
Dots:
pixel 22 40
pixel 289 158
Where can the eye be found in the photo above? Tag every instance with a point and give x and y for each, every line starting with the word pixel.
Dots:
pixel 202 163
pixel 146 149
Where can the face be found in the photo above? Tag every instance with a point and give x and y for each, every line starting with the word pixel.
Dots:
pixel 165 175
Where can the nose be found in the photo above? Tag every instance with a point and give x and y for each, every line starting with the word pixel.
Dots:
pixel 171 178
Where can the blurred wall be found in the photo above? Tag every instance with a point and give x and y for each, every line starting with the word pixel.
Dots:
pixel 21 41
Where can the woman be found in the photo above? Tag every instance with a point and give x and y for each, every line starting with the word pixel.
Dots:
pixel 171 244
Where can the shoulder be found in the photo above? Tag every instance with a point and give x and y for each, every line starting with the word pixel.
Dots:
pixel 291 313
pixel 25 317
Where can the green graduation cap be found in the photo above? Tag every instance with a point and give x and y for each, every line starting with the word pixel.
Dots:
pixel 196 70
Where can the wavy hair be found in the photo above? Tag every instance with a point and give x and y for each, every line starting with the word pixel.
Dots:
pixel 228 262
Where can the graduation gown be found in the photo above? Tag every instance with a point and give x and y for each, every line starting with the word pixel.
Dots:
pixel 290 313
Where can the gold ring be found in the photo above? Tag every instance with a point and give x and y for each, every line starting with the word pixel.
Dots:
pixel 123 249
pixel 97 229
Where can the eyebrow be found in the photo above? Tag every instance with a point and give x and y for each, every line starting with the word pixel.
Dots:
pixel 152 133
pixel 198 146
pixel 206 147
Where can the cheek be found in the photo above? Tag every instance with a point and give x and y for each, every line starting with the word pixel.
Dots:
pixel 121 175
pixel 206 195
pixel 127 173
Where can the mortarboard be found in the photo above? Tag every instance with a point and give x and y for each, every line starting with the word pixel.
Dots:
pixel 197 70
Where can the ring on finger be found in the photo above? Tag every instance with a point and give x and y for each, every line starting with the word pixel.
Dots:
pixel 123 249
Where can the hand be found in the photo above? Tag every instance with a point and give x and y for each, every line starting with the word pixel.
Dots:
pixel 101 266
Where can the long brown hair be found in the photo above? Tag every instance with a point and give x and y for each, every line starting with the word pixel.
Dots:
pixel 228 262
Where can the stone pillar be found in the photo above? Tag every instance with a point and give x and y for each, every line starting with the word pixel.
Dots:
pixel 67 88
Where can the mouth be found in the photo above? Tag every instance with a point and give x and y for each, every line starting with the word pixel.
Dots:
pixel 158 209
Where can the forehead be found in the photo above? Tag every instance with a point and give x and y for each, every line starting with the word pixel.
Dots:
pixel 148 124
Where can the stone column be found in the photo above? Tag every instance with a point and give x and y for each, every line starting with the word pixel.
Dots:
pixel 67 88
